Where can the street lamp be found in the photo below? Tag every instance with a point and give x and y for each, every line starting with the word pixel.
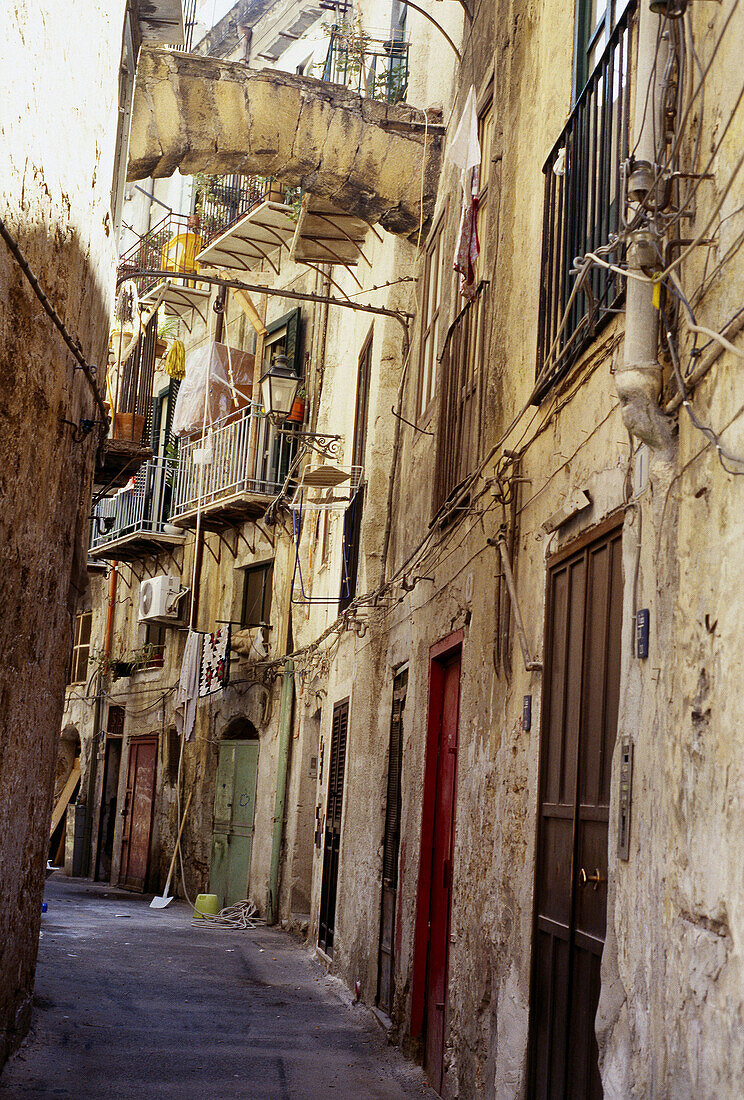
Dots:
pixel 278 388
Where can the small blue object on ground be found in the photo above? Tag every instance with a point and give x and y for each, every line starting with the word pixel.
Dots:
pixel 44 907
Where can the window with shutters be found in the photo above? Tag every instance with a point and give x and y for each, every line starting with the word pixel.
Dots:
pixel 435 271
pixel 332 830
pixel 283 337
pixel 80 648
pixel 352 535
pixel 463 379
pixel 257 586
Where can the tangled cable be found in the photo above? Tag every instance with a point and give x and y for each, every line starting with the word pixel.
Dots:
pixel 241 916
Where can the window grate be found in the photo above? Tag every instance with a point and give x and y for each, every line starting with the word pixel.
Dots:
pixel 583 210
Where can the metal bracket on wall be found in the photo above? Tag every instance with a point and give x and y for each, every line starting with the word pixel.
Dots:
pixel 531 664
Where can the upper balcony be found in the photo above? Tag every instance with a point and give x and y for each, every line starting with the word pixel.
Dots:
pixel 376 68
pixel 232 471
pixel 135 521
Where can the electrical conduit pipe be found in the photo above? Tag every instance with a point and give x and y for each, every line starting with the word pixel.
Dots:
pixel 639 380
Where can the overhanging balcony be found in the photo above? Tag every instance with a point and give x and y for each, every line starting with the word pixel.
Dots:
pixel 376 68
pixel 232 472
pixel 135 521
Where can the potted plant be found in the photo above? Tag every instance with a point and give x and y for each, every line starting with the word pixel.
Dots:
pixel 297 415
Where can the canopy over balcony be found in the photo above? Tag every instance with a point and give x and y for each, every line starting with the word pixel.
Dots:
pixel 199 114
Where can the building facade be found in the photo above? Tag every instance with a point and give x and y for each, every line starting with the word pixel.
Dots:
pixel 478 740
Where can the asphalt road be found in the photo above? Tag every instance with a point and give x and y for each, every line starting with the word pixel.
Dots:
pixel 132 1001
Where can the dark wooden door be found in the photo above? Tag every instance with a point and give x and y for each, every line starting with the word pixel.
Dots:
pixel 391 845
pixel 441 871
pixel 579 724
pixel 332 832
pixel 138 806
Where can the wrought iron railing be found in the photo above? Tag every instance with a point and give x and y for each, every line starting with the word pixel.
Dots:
pixel 142 508
pixel 129 386
pixel 375 68
pixel 236 457
pixel 583 210
pixel 177 239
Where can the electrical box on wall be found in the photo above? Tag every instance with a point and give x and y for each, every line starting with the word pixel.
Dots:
pixel 643 618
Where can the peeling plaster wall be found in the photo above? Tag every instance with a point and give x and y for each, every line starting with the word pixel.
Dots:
pixel 57 207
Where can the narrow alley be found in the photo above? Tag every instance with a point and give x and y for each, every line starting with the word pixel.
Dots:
pixel 133 1001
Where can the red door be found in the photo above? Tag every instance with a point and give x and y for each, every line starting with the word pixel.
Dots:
pixel 429 1006
pixel 138 805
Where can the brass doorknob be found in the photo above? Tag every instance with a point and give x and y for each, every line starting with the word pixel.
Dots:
pixel 596 878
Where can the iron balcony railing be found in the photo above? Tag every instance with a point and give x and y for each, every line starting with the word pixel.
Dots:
pixel 142 508
pixel 242 454
pixel 375 68
pixel 177 239
pixel 129 385
pixel 583 210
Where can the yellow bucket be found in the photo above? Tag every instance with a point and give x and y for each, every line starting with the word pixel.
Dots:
pixel 206 904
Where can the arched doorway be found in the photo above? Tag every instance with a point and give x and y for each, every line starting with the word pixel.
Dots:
pixel 234 806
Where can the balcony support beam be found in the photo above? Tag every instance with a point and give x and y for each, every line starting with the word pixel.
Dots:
pixel 368 158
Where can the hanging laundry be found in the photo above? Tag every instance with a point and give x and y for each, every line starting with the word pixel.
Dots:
pixel 187 692
pixel 465 153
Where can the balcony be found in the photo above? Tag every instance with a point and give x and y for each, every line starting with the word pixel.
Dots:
pixel 233 472
pixel 375 68
pixel 583 210
pixel 135 522
pixel 129 386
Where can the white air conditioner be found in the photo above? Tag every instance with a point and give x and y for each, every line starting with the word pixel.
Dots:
pixel 159 598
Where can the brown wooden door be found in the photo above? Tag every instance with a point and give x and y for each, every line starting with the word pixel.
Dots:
pixel 579 724
pixel 332 835
pixel 391 844
pixel 138 806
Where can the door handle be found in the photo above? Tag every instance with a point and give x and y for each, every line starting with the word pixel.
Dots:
pixel 596 878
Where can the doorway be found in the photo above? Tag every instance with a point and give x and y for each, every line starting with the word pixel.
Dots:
pixel 431 960
pixel 391 845
pixel 234 806
pixel 579 724
pixel 138 811
pixel 107 817
pixel 332 832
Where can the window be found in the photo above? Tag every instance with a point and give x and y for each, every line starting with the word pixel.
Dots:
pixel 256 610
pixel 434 275
pixel 459 427
pixel 81 648
pixel 485 134
pixel 582 192
pixel 283 337
pixel 595 21
pixel 127 68
pixel 154 645
pixel 353 514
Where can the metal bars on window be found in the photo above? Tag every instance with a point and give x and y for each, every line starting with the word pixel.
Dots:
pixel 583 210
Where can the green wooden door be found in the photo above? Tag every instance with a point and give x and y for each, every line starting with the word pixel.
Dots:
pixel 234 803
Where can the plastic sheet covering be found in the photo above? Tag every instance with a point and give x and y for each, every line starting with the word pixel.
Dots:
pixel 229 375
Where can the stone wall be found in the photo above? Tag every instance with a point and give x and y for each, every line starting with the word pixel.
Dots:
pixel 56 205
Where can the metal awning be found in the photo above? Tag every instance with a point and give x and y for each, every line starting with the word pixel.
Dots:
pixel 180 300
pixel 252 240
pixel 324 234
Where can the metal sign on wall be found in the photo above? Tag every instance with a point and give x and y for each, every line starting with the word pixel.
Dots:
pixel 215 661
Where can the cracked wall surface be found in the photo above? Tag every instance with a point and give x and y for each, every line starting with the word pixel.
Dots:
pixel 370 159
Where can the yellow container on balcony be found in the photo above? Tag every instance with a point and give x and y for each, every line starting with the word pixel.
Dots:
pixel 180 252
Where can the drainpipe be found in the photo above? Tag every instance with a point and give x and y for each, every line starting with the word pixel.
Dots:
pixel 285 730
pixel 639 380
pixel 97 725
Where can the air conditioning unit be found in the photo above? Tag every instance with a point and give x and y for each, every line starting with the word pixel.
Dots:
pixel 159 598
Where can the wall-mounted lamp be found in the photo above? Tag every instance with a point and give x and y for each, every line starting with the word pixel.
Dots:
pixel 278 388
